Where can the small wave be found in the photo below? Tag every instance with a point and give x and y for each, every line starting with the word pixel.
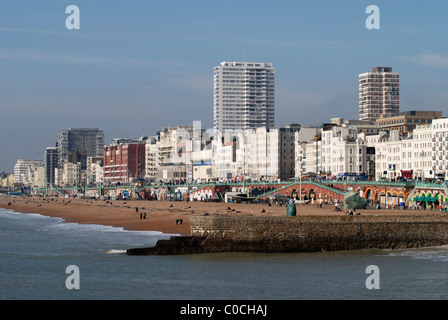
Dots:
pixel 9 211
pixel 429 253
pixel 115 251
pixel 12 213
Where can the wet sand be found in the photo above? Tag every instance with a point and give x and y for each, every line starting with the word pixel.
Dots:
pixel 162 215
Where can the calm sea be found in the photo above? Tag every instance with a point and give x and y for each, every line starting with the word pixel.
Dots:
pixel 36 250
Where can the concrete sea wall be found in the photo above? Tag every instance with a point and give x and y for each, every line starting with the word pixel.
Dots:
pixel 304 234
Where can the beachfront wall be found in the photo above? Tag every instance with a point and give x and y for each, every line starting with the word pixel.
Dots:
pixel 317 233
pixel 212 234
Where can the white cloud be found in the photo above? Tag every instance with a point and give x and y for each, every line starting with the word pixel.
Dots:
pixel 431 60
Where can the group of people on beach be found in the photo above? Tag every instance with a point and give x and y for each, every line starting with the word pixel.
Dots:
pixel 350 212
pixel 142 214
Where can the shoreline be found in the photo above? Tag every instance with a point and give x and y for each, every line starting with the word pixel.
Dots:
pixel 161 216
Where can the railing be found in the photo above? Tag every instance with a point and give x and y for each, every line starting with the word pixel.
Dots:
pixel 304 182
pixel 275 190
pixel 430 184
pixel 324 184
pixel 370 182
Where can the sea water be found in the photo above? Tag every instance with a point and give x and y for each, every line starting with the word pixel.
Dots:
pixel 36 250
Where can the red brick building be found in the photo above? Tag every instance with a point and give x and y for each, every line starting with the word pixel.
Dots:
pixel 124 162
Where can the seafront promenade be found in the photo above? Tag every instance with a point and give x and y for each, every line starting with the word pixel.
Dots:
pixel 387 194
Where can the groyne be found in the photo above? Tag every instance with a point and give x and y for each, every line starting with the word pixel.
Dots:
pixel 224 233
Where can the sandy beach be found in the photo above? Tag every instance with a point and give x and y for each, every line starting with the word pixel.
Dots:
pixel 162 215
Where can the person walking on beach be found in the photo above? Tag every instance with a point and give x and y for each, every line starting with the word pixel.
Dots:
pixel 140 216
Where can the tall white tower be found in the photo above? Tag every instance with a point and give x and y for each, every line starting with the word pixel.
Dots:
pixel 243 95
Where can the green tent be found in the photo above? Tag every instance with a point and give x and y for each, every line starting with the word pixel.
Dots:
pixel 418 199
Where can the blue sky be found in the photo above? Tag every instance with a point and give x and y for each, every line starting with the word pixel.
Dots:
pixel 134 67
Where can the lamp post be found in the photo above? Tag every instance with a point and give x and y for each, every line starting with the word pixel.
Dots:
pixel 300 177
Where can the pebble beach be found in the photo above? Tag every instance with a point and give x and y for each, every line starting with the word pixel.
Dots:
pixel 170 217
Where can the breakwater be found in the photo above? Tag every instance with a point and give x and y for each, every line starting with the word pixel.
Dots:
pixel 223 233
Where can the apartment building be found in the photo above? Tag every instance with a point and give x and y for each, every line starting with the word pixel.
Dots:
pixel 50 163
pixel 124 162
pixel 379 93
pixel 89 139
pixel 244 95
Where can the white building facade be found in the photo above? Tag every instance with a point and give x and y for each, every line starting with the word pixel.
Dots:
pixel 257 154
pixel 416 156
pixel 24 171
pixel 343 151
pixel 440 148
pixel 308 149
